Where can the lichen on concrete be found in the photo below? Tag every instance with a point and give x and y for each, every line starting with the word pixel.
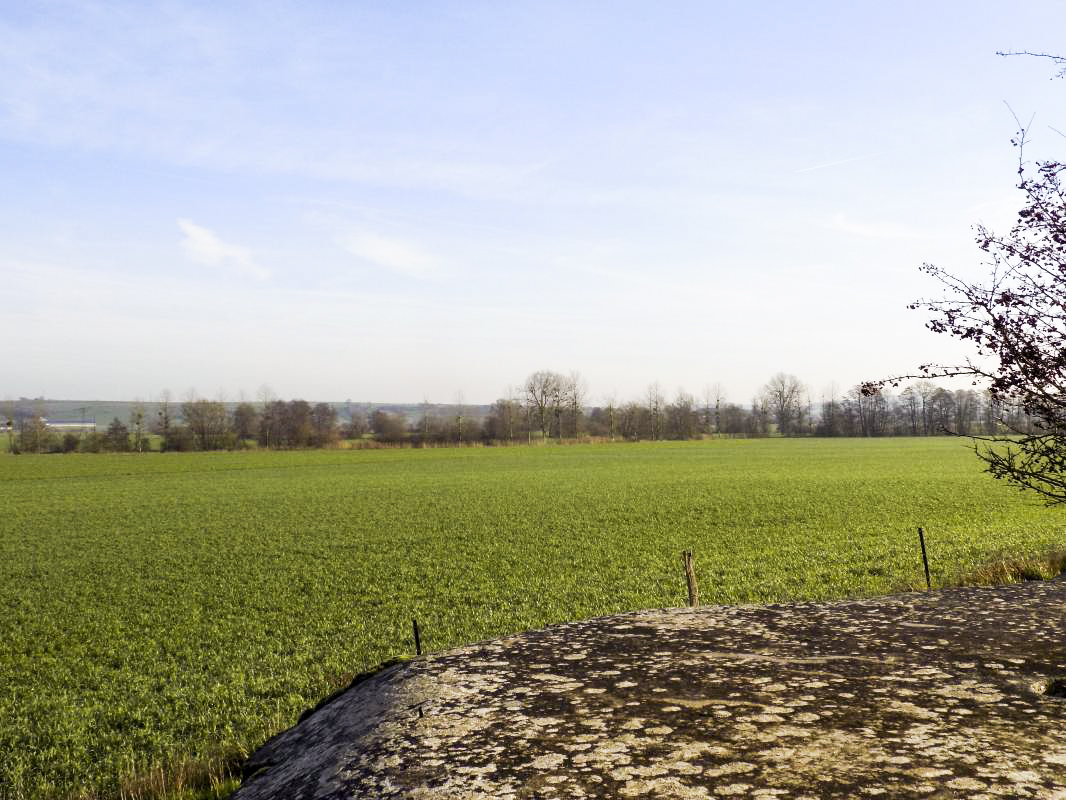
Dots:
pixel 931 695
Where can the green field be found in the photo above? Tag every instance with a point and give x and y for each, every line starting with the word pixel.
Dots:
pixel 160 608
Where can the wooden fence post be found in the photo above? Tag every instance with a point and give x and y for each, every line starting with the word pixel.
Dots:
pixel 690 578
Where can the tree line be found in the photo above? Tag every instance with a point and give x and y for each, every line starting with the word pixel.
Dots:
pixel 548 406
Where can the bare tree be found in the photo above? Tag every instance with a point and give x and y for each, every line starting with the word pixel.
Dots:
pixel 245 421
pixel 8 419
pixel 681 416
pixel 460 413
pixel 544 398
pixel 784 396
pixel 1016 323
pixel 323 425
pixel 758 421
pixel 575 392
pixel 137 426
pixel 911 405
pixel 208 422
pixel 656 410
pixel 164 418
pixel 610 409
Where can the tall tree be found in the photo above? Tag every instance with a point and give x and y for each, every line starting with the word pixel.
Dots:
pixel 682 419
pixel 117 437
pixel 784 395
pixel 245 421
pixel 7 419
pixel 544 398
pixel 575 392
pixel 656 416
pixel 164 419
pixel 137 426
pixel 324 425
pixel 208 422
pixel 1016 322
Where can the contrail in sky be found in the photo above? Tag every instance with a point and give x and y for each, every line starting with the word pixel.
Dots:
pixel 835 163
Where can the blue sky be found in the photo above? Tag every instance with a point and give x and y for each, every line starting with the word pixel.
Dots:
pixel 398 201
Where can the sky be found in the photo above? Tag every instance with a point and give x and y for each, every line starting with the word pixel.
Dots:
pixel 408 201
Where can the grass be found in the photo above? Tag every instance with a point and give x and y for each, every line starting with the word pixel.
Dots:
pixel 162 615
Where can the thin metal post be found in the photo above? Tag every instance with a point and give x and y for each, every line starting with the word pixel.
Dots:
pixel 925 560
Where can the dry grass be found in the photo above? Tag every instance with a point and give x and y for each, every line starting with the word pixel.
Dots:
pixel 1012 569
pixel 186 779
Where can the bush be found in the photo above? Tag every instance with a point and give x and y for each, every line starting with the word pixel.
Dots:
pixel 179 439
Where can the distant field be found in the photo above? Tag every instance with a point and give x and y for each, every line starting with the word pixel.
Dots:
pixel 160 607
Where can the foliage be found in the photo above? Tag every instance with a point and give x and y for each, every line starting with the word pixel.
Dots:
pixel 388 427
pixel 1016 321
pixel 297 424
pixel 245 421
pixel 117 438
pixel 161 612
pixel 34 436
pixel 209 423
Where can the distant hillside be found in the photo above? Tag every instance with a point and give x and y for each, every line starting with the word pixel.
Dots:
pixel 103 411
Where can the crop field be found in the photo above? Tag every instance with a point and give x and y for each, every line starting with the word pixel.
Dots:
pixel 166 610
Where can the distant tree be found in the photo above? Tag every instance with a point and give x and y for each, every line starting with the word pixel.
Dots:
pixel 357 425
pixel 93 442
pixel 610 412
pixel 941 411
pixel 544 397
pixel 117 437
pixel 911 408
pixel 137 426
pixel 633 421
pixel 758 421
pixel 33 433
pixel 656 416
pixel 293 425
pixel 966 412
pixel 164 420
pixel 830 421
pixel 297 424
pixel 504 420
pixel 460 414
pixel 388 427
pixel 473 429
pixel 324 425
pixel 734 419
pixel 272 425
pixel 245 421
pixel 599 423
pixel 7 419
pixel 574 395
pixel 209 423
pixel 181 439
pixel 713 398
pixel 682 419
pixel 784 398
pixel 425 422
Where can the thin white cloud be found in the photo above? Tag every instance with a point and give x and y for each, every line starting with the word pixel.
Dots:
pixel 204 246
pixel 394 255
pixel 834 163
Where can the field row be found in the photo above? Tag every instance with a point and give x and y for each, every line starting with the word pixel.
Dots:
pixel 182 606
